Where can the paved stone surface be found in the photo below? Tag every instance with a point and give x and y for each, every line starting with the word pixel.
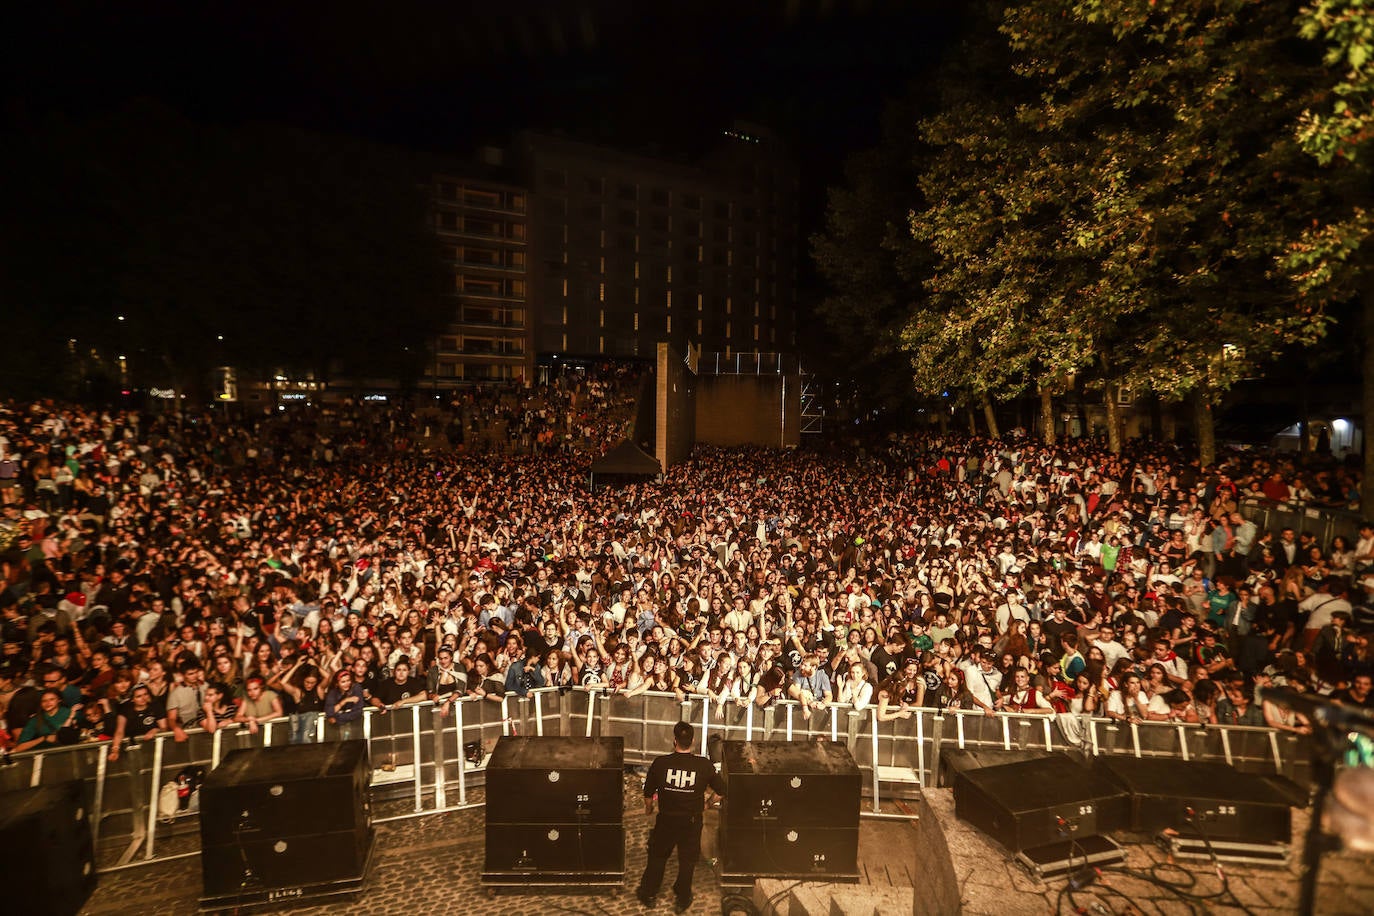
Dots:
pixel 432 864
pixel 422 865
pixel 993 884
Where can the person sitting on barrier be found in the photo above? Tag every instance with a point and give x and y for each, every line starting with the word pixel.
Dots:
pixel 1021 697
pixel 903 692
pixel 810 686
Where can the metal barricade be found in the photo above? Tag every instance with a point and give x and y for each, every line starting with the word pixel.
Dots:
pixel 431 761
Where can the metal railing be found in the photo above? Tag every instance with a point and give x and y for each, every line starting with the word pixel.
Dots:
pixel 1323 521
pixel 430 762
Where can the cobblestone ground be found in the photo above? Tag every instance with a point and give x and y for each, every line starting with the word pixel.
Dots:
pixel 422 865
pixel 432 864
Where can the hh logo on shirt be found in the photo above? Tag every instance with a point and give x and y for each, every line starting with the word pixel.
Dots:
pixel 681 779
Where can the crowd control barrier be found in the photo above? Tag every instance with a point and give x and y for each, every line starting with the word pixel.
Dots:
pixel 426 761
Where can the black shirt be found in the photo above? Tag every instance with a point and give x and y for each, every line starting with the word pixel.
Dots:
pixel 139 722
pixel 391 693
pixel 680 780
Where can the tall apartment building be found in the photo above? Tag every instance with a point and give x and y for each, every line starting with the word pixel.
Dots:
pixel 586 251
pixel 482 228
pixel 629 250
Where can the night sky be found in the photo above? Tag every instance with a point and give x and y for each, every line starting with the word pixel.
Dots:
pixel 447 77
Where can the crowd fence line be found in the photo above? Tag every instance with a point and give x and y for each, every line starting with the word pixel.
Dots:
pixel 430 762
pixel 1324 522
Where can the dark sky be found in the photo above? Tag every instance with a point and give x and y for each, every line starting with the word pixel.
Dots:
pixel 446 77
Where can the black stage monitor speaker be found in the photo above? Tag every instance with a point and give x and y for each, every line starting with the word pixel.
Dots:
pixel 285 823
pixel 555 812
pixel 806 783
pixel 1039 802
pixel 47 862
pixel 790 809
pixel 1201 799
pixel 533 780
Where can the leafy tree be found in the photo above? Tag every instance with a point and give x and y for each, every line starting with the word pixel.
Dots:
pixel 1332 259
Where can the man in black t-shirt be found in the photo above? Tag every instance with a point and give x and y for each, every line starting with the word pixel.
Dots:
pixel 679 781
pixel 399 689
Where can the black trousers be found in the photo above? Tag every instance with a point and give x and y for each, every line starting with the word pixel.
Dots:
pixel 682 832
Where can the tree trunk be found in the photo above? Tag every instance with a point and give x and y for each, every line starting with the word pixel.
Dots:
pixel 1367 391
pixel 1156 417
pixel 942 417
pixel 1046 416
pixel 972 422
pixel 991 416
pixel 1109 401
pixel 1206 432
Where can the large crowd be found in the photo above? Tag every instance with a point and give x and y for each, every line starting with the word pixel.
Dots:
pixel 164 572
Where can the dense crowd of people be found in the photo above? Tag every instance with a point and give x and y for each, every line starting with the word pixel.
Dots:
pixel 164 573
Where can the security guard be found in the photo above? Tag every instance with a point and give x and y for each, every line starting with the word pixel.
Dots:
pixel 679 780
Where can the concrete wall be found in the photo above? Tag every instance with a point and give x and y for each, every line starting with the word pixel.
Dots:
pixel 748 410
pixel 674 418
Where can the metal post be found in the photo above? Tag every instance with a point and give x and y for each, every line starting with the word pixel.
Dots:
pixel 153 796
pixel 440 771
pixel 790 709
pixel 415 748
pixel 1006 732
pixel 749 722
pixel 591 710
pixel 538 713
pixel 959 722
pixel 267 734
pixel 102 764
pixel 1274 746
pixel 877 805
pixel 920 749
pixel 705 723
pixel 215 740
pixel 462 754
pixel 1183 743
pixel 36 774
pixel 1226 745
pixel 1135 737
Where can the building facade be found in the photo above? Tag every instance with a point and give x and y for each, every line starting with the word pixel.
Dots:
pixel 586 251
pixel 483 230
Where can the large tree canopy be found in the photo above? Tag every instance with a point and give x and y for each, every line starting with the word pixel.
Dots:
pixel 1124 200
